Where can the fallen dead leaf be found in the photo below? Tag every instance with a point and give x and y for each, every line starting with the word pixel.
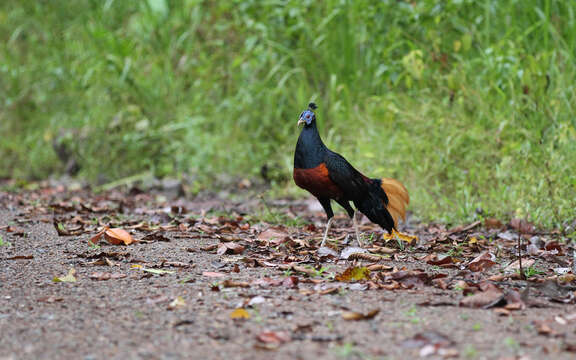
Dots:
pixel 50 299
pixel 492 223
pixel 354 274
pixel 68 278
pixel 274 235
pixel 213 274
pixel 290 282
pixel 114 236
pixel 483 299
pixel 355 316
pixel 273 337
pixel 117 236
pixel 229 248
pixel 240 313
pixel 482 262
pixel 409 278
pixel 21 257
pixel 434 259
pixel 106 276
pixel 429 343
pixel 522 226
pixel 515 265
pixel 232 283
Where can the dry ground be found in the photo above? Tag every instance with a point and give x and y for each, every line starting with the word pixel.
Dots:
pixel 428 299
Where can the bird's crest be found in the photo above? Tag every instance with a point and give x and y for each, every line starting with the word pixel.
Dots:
pixel 312 106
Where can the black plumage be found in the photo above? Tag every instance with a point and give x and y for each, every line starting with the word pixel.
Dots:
pixel 329 176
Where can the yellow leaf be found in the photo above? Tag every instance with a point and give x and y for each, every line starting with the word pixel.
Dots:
pixel 240 313
pixel 68 278
pixel 473 241
pixel 354 274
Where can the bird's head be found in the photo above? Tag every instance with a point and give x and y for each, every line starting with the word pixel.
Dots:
pixel 308 117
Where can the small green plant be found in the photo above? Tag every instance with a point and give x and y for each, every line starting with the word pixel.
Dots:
pixel 455 250
pixel 477 327
pixel 412 314
pixel 4 243
pixel 93 246
pixel 346 351
pixel 511 343
pixel 470 352
pixel 532 271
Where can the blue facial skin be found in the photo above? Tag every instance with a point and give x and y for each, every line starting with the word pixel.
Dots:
pixel 307 116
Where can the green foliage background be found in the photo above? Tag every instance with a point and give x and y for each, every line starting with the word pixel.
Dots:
pixel 469 102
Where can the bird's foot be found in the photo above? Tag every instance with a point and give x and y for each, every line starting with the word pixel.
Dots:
pixel 400 236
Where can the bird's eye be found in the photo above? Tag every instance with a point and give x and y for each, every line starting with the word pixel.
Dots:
pixel 307 116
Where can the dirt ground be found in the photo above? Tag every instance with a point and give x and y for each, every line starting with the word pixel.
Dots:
pixel 211 278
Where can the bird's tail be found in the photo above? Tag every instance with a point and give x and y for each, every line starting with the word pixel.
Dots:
pixel 398 198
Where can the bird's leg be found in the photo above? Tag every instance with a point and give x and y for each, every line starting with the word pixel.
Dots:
pixel 326 232
pixel 356 229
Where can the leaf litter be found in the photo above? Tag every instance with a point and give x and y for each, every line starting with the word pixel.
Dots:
pixel 474 265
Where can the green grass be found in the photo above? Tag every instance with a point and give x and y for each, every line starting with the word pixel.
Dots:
pixel 469 102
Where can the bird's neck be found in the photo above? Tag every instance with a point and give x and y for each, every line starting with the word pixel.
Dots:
pixel 310 150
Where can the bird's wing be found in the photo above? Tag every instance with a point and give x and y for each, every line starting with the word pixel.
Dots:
pixel 352 183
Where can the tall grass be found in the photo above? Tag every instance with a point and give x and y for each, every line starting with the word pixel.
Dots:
pixel 469 102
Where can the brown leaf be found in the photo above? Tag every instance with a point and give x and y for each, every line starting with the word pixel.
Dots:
pixel 106 276
pixel 232 283
pixel 50 299
pixel 482 262
pixel 379 267
pixel 213 274
pixel 290 282
pixel 21 257
pixel 17 231
pixel 440 283
pixel 410 278
pixel 274 338
pixel 482 299
pixel 553 245
pixel 229 248
pixel 544 329
pixel 434 338
pixel 156 236
pixel 463 228
pixel 274 235
pixel 117 236
pixel 515 265
pixel 522 226
pixel 352 315
pixel 492 223
pixel 434 259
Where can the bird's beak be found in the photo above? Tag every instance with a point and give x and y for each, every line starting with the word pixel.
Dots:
pixel 301 122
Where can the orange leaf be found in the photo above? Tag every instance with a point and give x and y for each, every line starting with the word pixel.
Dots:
pixel 94 239
pixel 117 236
pixel 352 315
